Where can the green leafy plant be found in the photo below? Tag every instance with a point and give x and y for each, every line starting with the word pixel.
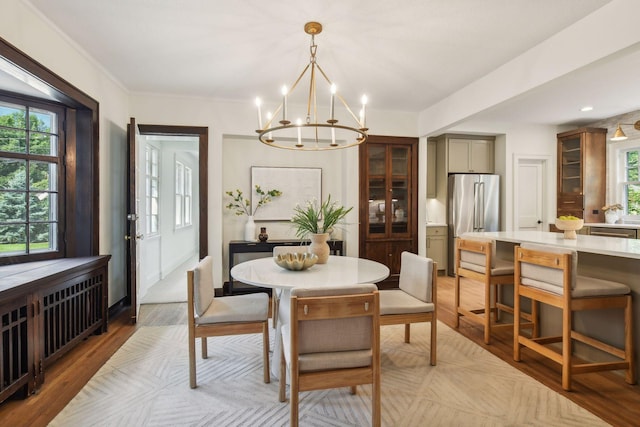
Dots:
pixel 314 219
pixel 242 206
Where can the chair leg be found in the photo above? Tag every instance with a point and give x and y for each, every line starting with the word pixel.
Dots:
pixel 192 360
pixel 630 377
pixel 456 321
pixel 566 347
pixel 293 400
pixel 283 376
pixel 516 323
pixel 376 418
pixel 434 336
pixel 275 304
pixel 407 332
pixel 487 312
pixel 265 351
pixel 353 389
pixel 203 340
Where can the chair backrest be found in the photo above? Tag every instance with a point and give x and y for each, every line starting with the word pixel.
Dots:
pixel 548 267
pixel 297 249
pixel 335 319
pixel 203 290
pixel 473 252
pixel 416 276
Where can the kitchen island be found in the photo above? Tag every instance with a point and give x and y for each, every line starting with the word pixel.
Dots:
pixel 609 258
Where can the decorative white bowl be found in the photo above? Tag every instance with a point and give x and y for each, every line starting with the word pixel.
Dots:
pixel 296 261
pixel 569 226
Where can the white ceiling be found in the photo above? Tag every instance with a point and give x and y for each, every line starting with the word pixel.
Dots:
pixel 404 55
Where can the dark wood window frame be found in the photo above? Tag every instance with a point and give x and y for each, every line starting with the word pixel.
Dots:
pixel 81 220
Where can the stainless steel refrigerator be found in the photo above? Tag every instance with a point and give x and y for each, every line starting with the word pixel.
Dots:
pixel 473 204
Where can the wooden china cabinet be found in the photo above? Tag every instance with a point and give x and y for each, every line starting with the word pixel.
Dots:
pixel 582 173
pixel 388 201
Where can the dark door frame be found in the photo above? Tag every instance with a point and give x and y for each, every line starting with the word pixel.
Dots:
pixel 202 133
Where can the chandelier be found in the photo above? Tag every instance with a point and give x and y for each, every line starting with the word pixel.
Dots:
pixel 314 132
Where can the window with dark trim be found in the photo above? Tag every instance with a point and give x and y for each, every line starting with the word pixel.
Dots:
pixel 31 178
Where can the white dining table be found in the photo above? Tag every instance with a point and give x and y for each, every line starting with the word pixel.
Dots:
pixel 338 271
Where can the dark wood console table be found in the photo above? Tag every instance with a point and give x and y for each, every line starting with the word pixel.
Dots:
pixel 337 247
pixel 47 307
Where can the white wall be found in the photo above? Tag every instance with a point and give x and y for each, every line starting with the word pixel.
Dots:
pixel 31 32
pixel 234 148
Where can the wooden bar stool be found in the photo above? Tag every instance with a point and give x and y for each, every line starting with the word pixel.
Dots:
pixel 475 259
pixel 549 275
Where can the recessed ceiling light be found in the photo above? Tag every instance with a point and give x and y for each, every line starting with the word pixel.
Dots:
pixel 586 108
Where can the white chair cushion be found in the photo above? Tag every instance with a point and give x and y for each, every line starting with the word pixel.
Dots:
pixel 547 278
pixel 237 308
pixel 396 301
pixel 585 287
pixel 502 267
pixel 416 273
pixel 203 289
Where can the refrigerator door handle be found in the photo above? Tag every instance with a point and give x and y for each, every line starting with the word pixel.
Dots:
pixel 478 214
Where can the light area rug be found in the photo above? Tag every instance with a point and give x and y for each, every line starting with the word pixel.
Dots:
pixel 146 383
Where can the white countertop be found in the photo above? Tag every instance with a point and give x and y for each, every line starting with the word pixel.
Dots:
pixel 613 246
pixel 616 225
pixel 436 224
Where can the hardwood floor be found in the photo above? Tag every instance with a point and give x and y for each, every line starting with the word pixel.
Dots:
pixel 604 394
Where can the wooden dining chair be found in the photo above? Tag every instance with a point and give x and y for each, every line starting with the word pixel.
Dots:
pixel 549 275
pixel 231 315
pixel 476 260
pixel 416 299
pixel 332 340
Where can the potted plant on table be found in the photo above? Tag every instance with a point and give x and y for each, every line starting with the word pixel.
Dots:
pixel 242 206
pixel 317 222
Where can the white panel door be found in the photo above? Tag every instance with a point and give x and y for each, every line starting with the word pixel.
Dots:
pixel 529 195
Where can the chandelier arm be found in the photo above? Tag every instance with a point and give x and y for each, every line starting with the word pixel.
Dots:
pixel 299 78
pixel 363 137
pixel 357 120
pixel 312 90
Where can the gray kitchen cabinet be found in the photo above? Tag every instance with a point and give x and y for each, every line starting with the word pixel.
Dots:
pixel 437 245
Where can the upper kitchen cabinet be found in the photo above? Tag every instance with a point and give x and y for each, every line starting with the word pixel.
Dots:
pixel 470 155
pixel 388 200
pixel 465 153
pixel 582 173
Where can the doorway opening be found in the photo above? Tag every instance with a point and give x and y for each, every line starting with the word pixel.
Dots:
pixel 171 211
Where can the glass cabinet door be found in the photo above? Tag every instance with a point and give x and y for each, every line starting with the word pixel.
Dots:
pixel 399 189
pixel 377 189
pixel 388 190
pixel 571 167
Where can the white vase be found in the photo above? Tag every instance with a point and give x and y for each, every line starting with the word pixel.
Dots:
pixel 320 247
pixel 611 216
pixel 250 229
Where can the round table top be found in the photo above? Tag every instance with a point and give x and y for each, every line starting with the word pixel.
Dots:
pixel 339 270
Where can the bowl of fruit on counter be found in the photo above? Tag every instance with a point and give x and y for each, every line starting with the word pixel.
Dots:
pixel 569 224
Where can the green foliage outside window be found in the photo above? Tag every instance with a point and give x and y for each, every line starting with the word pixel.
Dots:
pixel 27 203
pixel 632 184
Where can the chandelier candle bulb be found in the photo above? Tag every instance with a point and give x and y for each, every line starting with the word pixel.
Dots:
pixel 284 104
pixel 333 100
pixel 258 103
pixel 299 123
pixel 364 111
pixel 269 118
